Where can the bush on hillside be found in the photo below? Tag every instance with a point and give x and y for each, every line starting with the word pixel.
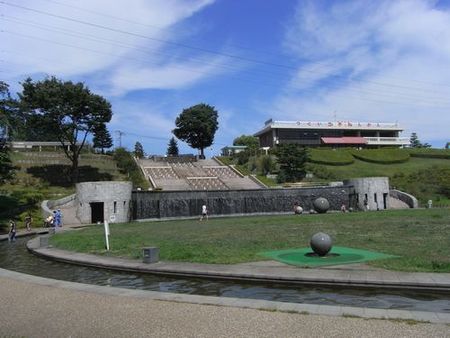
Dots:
pixel 321 172
pixel 127 165
pixel 425 184
pixel 330 156
pixel 382 155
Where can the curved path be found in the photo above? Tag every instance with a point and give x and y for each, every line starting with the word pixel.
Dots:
pixel 38 307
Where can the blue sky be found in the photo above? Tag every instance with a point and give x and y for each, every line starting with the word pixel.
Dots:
pixel 382 61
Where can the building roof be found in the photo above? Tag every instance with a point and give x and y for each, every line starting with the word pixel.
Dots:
pixel 234 147
pixel 344 140
pixel 341 125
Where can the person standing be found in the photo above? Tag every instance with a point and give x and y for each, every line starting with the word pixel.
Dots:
pixel 28 221
pixel 12 231
pixel 58 218
pixel 204 212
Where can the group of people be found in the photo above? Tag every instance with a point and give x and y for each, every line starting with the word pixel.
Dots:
pixel 54 220
pixel 13 227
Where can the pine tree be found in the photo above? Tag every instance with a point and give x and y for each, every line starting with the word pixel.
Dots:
pixel 102 139
pixel 414 141
pixel 172 149
pixel 139 150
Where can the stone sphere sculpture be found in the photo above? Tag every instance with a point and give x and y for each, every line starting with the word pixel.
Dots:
pixel 298 210
pixel 321 205
pixel 321 243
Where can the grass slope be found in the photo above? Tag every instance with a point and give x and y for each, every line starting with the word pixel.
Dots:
pixel 43 175
pixel 237 240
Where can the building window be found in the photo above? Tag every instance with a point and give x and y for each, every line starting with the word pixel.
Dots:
pixel 115 206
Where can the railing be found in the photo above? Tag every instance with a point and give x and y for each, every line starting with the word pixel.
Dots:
pixel 400 141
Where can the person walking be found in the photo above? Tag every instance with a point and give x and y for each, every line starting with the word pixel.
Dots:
pixel 12 231
pixel 204 212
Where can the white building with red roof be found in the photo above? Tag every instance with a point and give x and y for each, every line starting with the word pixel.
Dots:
pixel 331 133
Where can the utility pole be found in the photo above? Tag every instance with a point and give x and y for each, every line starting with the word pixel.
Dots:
pixel 120 133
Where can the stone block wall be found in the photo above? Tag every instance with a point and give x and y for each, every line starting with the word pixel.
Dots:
pixel 166 204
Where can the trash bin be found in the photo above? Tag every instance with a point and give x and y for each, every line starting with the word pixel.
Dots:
pixel 151 254
pixel 43 241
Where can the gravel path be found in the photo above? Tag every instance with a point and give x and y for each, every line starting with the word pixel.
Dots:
pixel 32 310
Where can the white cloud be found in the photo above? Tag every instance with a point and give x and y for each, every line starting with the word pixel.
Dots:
pixel 174 75
pixel 382 61
pixel 35 43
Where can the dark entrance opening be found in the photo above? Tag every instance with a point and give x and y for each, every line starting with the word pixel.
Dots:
pixel 97 212
pixel 385 196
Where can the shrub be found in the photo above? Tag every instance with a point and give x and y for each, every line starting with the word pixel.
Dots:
pixel 429 153
pixel 330 156
pixel 381 156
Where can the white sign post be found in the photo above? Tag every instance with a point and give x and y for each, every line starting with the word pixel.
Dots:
pixel 107 235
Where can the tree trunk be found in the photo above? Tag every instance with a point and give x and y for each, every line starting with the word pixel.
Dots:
pixel 202 153
pixel 74 170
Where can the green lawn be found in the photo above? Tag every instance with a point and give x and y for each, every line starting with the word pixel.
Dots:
pixel 420 237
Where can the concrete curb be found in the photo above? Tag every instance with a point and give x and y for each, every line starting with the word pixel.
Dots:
pixel 247 272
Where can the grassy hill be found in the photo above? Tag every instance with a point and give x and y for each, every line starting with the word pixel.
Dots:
pixel 423 172
pixel 44 175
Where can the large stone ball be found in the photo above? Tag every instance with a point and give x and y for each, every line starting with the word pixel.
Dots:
pixel 298 210
pixel 321 243
pixel 321 205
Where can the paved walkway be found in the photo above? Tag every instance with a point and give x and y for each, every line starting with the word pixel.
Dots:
pixel 37 307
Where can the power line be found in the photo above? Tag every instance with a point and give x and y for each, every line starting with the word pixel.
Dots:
pixel 177 44
pixel 389 95
pixel 318 63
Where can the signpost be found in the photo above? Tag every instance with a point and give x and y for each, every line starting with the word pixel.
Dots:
pixel 107 235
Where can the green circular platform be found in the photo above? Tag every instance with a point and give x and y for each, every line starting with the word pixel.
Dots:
pixel 338 255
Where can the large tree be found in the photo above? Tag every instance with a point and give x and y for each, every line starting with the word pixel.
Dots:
pixel 6 108
pixel 172 148
pixel 251 142
pixel 6 103
pixel 102 138
pixel 70 109
pixel 292 160
pixel 6 166
pixel 197 126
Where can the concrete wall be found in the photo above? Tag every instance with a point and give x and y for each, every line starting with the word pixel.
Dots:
pixel 373 189
pixel 116 197
pixel 404 197
pixel 163 204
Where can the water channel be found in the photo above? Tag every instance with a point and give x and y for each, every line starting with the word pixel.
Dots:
pixel 14 256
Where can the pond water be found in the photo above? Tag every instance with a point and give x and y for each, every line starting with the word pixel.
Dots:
pixel 14 256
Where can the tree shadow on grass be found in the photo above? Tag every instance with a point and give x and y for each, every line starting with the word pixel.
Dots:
pixel 59 174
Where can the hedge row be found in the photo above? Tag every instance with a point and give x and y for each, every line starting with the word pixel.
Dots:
pixel 330 157
pixel 381 156
pixel 430 153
